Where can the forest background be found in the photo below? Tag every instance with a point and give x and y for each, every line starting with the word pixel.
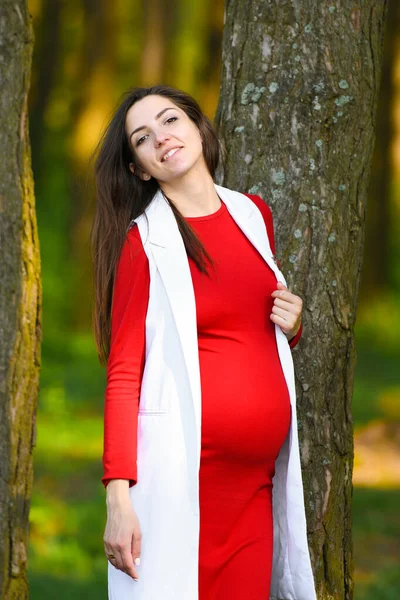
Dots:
pixel 86 54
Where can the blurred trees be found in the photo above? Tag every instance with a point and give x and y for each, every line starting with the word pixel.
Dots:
pixel 88 52
pixel 297 115
pixel 379 272
pixel 20 300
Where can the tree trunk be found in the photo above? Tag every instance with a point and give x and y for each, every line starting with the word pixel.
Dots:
pixel 296 115
pixel 20 300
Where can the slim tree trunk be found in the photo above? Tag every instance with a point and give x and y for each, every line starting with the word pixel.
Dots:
pixel 20 300
pixel 296 114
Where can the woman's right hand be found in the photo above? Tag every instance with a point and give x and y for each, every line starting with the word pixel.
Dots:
pixel 122 535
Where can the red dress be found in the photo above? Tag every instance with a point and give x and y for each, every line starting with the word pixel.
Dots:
pixel 245 401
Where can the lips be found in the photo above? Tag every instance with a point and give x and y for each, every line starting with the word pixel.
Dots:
pixel 176 148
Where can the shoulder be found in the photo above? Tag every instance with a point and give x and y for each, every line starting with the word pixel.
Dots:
pixel 133 234
pixel 267 216
pixel 263 207
pixel 132 256
pixel 133 241
pixel 259 202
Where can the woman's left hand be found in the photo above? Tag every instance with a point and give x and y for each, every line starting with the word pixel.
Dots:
pixel 286 310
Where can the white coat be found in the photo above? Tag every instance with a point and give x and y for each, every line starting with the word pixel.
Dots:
pixel 166 495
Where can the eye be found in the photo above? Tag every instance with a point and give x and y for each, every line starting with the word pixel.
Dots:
pixel 140 140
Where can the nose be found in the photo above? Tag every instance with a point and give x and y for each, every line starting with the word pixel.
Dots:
pixel 160 137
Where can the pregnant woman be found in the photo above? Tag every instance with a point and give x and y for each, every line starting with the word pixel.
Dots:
pixel 195 323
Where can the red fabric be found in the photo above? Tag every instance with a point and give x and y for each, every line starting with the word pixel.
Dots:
pixel 245 400
pixel 269 222
pixel 126 361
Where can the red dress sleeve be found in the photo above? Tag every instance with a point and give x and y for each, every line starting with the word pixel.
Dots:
pixel 269 223
pixel 126 361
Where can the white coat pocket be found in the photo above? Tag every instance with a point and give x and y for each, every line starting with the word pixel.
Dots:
pixel 157 384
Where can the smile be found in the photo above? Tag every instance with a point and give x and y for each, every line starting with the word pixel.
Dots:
pixel 169 154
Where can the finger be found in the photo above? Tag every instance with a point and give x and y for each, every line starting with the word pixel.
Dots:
pixel 281 322
pixel 127 564
pixel 113 561
pixel 124 563
pixel 288 296
pixel 289 317
pixel 107 552
pixel 283 292
pixel 289 306
pixel 136 546
pixel 118 558
pixel 119 561
pixel 289 320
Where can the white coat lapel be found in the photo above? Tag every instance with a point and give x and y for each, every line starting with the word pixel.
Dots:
pixel 250 220
pixel 170 256
pixel 248 217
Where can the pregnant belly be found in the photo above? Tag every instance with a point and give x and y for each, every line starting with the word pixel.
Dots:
pixel 245 406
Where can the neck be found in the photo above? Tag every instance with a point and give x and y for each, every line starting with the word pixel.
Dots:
pixel 194 193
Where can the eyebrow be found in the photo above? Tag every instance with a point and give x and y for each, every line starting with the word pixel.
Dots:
pixel 157 117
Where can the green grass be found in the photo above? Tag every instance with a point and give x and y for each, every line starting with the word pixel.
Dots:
pixel 48 586
pixel 376 536
pixel 376 515
pixel 376 384
pixel 67 518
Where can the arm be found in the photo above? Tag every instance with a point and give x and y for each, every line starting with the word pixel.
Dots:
pixel 269 223
pixel 126 361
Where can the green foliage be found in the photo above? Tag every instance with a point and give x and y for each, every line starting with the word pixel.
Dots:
pixel 67 516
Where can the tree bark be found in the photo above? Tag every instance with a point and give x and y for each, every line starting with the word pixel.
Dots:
pixel 20 300
pixel 296 116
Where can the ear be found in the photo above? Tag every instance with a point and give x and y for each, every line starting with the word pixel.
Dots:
pixel 144 176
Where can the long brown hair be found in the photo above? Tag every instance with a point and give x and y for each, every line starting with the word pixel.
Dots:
pixel 122 196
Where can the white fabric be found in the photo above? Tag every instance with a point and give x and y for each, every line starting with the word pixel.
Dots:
pixel 166 496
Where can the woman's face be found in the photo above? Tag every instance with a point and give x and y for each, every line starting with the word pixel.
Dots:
pixel 162 126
